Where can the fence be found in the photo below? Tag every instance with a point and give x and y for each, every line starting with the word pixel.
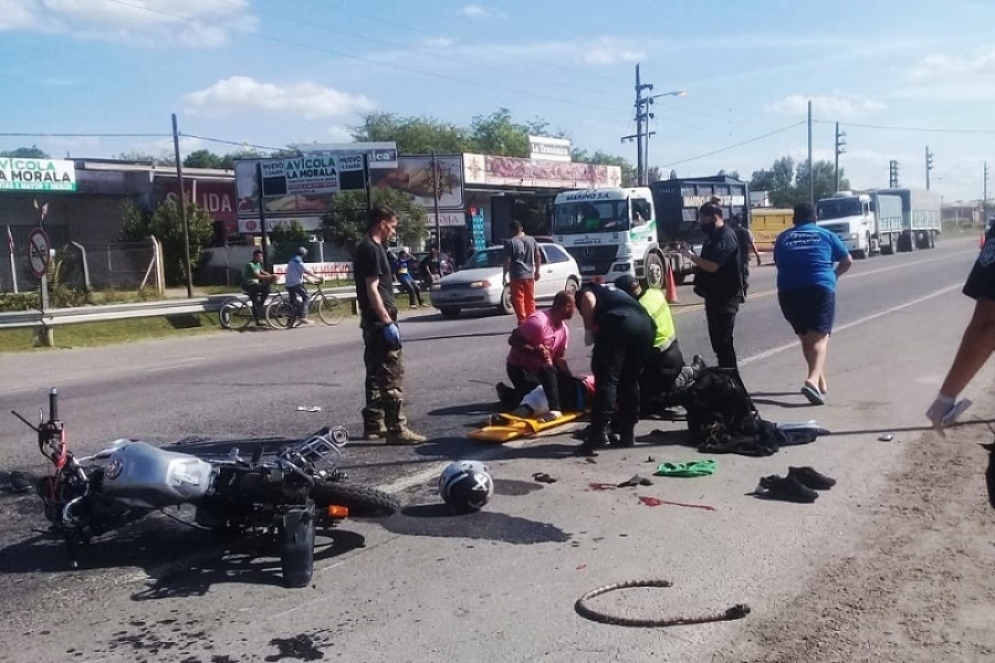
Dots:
pixel 114 266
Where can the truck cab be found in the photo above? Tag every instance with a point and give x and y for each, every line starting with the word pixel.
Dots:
pixel 851 217
pixel 608 231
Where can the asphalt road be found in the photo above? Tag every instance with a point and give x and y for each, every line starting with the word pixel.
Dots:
pixel 499 585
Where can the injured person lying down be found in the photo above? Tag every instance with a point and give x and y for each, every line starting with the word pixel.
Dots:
pixel 575 396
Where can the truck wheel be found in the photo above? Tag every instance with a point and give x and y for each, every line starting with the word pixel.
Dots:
pixel 297 547
pixel 654 271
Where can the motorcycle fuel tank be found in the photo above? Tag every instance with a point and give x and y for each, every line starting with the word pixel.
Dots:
pixel 142 475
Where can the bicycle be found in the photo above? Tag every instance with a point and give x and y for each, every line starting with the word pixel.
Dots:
pixel 282 313
pixel 236 313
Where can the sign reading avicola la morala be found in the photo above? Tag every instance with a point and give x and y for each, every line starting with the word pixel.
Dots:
pixel 37 174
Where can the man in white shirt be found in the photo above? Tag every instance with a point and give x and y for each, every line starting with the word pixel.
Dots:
pixel 297 273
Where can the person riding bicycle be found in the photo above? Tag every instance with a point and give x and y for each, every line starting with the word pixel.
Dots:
pixel 255 284
pixel 297 273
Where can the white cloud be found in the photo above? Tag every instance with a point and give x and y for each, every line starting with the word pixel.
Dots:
pixel 978 67
pixel 840 107
pixel 304 99
pixel 203 23
pixel 475 11
pixel 340 134
pixel 607 50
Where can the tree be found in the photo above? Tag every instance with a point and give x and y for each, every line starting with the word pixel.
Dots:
pixel 413 135
pixel 165 159
pixel 825 180
pixel 33 152
pixel 228 160
pixel 497 134
pixel 202 159
pixel 345 224
pixel 285 240
pixel 166 226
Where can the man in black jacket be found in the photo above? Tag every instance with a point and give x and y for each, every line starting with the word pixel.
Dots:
pixel 718 279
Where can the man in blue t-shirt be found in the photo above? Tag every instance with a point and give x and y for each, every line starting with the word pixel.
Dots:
pixel 809 259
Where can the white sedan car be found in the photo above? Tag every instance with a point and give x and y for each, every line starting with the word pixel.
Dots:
pixel 478 283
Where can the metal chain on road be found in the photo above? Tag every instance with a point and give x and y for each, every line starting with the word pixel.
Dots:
pixel 738 611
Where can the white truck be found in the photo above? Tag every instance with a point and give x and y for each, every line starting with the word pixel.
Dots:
pixel 882 221
pixel 611 232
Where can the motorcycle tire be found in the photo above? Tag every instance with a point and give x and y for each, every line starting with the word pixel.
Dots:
pixel 362 501
pixel 297 547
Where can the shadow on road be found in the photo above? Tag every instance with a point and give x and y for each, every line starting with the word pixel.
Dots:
pixel 783 404
pixel 485 408
pixel 253 561
pixel 451 336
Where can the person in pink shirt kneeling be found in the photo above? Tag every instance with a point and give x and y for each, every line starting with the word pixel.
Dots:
pixel 538 354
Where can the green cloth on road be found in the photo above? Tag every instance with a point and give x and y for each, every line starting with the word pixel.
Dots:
pixel 697 468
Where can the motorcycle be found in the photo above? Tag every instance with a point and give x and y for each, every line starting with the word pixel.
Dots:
pixel 286 497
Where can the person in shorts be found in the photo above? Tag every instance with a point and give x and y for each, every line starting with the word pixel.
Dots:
pixel 809 261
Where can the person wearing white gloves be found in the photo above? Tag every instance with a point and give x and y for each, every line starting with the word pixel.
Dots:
pixel 976 345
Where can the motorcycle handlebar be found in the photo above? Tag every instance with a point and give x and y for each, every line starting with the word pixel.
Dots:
pixel 53 405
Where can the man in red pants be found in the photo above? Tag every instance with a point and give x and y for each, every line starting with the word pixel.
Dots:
pixel 522 260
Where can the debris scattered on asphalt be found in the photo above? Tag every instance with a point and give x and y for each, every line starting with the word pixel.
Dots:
pixel 309 408
pixel 651 459
pixel 542 477
pixel 602 486
pixel 581 566
pixel 653 501
pixel 636 480
pixel 590 460
pixel 886 437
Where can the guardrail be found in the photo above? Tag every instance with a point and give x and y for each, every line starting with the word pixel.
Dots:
pixel 106 312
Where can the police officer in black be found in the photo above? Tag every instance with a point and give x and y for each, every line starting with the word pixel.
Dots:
pixel 622 333
pixel 718 279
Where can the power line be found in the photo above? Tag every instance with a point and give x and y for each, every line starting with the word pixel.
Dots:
pixel 922 129
pixel 731 147
pixel 425 49
pixel 231 142
pixel 291 42
pixel 483 47
pixel 83 135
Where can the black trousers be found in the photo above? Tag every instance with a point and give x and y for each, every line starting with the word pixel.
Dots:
pixel 621 345
pixel 660 372
pixel 257 292
pixel 721 317
pixel 524 380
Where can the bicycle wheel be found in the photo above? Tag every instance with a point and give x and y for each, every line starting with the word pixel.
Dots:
pixel 279 314
pixel 240 315
pixel 329 309
pixel 224 314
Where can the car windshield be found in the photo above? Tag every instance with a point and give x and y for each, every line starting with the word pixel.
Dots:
pixel 838 208
pixel 591 217
pixel 485 258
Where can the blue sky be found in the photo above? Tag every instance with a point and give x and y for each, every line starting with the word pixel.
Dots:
pixel 275 72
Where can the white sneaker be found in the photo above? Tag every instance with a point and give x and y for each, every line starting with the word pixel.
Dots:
pixel 305 321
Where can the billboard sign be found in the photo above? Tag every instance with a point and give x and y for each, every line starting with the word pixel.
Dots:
pixel 414 177
pixel 37 174
pixel 552 149
pixel 383 156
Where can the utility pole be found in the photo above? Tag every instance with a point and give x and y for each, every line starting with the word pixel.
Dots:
pixel 811 175
pixel 840 149
pixel 929 165
pixel 641 136
pixel 892 174
pixel 183 209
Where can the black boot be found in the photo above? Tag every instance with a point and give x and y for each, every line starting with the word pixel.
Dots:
pixel 596 438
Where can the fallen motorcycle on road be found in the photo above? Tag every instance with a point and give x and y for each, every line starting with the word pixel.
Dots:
pixel 287 496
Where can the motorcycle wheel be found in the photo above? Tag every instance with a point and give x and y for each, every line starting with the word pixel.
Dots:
pixel 362 501
pixel 297 547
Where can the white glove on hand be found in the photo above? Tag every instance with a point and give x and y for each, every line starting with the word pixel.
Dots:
pixel 945 410
pixel 588 337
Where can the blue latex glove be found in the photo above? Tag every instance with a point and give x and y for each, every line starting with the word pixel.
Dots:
pixel 392 334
